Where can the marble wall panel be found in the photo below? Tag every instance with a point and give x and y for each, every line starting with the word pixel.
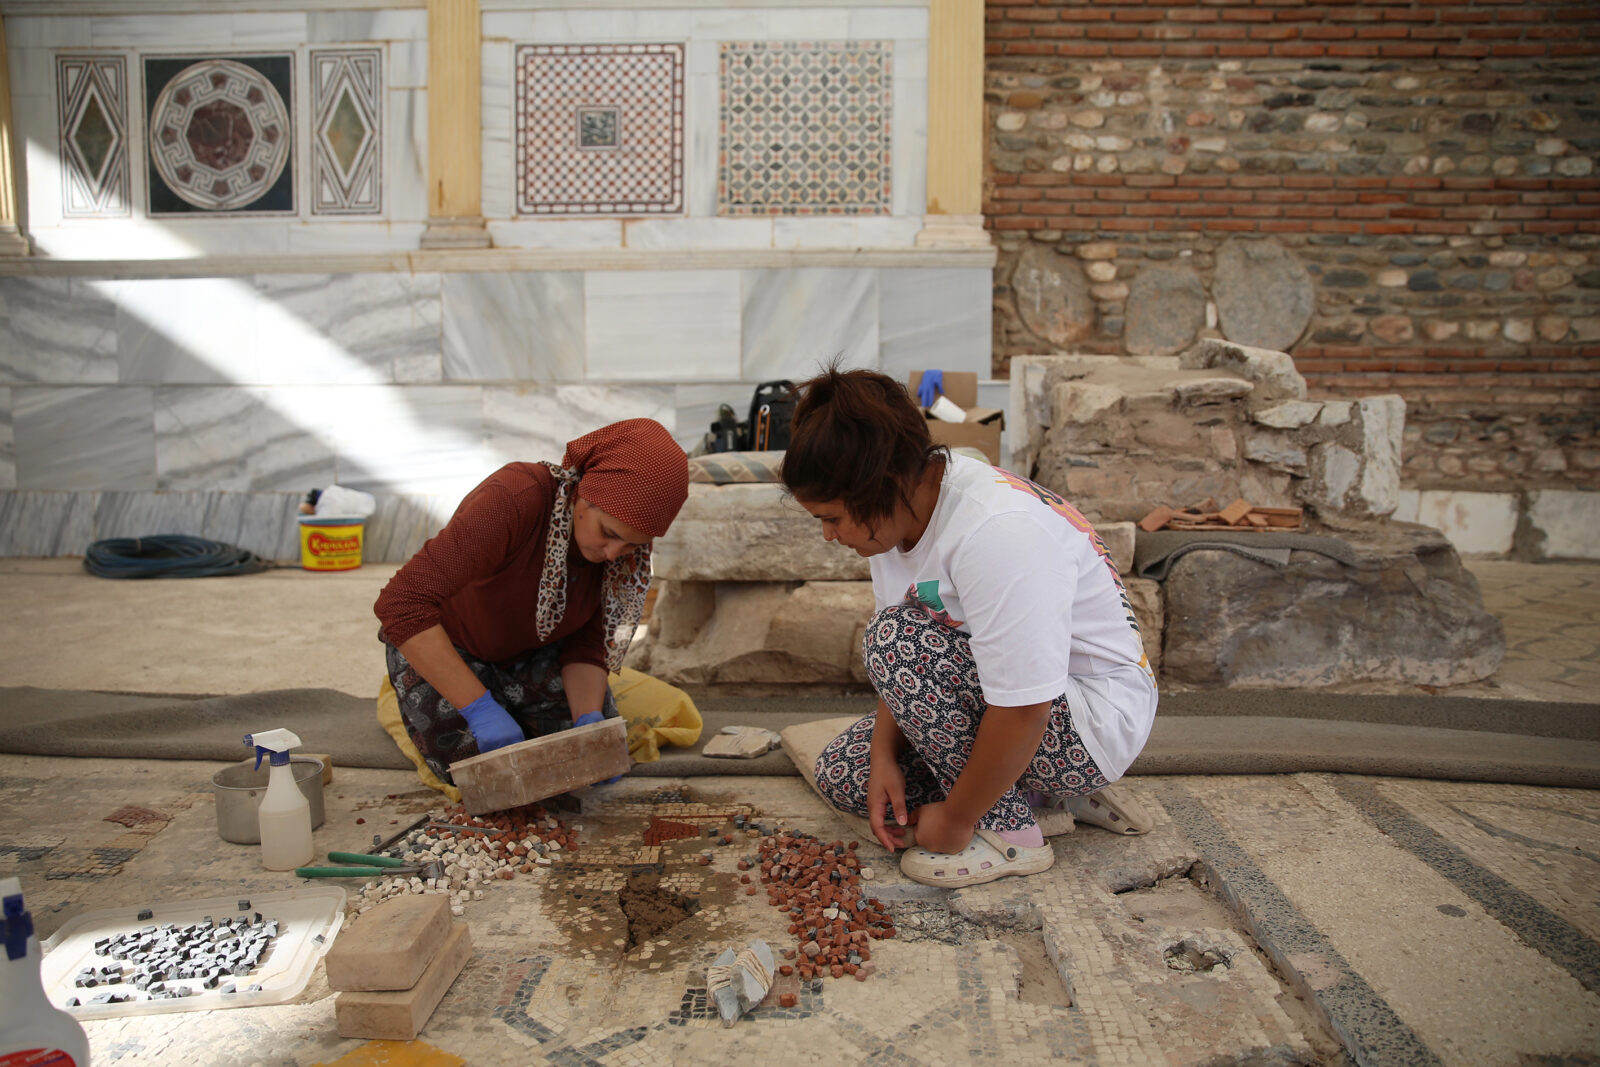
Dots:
pixel 346 131
pixel 85 437
pixel 269 29
pixel 236 440
pixel 698 233
pixel 697 406
pixel 498 128
pixel 663 325
pixel 908 136
pixel 934 319
pixel 536 422
pixel 406 169
pixel 516 326
pixel 56 330
pixel 343 238
pixel 165 32
pixel 197 331
pixel 8 453
pixel 46 523
pixel 263 523
pixel 401 525
pixel 556 233
pixel 340 27
pixel 351 328
pixel 416 439
pixel 701 103
pixel 794 321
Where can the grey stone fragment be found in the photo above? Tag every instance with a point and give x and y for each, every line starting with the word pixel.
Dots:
pixel 1052 296
pixel 1407 612
pixel 1264 294
pixel 1166 309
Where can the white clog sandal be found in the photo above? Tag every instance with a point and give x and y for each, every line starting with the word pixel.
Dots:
pixel 988 857
pixel 1113 809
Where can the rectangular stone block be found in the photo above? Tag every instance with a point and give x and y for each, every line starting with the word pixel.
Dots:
pixel 390 946
pixel 401 1015
pixel 542 767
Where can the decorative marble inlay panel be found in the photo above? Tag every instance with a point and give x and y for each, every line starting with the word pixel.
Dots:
pixel 92 108
pixel 346 132
pixel 220 134
pixel 805 128
pixel 599 129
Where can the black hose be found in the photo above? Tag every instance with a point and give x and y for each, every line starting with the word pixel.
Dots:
pixel 169 556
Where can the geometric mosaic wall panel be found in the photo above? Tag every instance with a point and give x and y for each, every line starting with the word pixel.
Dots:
pixel 221 134
pixel 599 129
pixel 805 128
pixel 92 112
pixel 347 132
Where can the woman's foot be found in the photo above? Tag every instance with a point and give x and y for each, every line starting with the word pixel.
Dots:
pixel 987 858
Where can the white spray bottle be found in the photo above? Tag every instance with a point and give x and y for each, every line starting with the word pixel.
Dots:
pixel 32 1030
pixel 285 813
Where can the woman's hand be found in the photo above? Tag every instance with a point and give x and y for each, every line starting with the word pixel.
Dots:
pixel 939 829
pixel 886 788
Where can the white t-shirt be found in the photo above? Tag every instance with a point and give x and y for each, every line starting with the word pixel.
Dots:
pixel 1015 567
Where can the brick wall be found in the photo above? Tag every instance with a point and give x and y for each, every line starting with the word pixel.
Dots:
pixel 1431 165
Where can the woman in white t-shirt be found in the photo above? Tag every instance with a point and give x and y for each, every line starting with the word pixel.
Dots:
pixel 1009 668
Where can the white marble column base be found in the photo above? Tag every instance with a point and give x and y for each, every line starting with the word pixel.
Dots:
pixel 953 231
pixel 459 231
pixel 14 243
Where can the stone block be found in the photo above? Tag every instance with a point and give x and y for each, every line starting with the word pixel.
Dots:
pixel 769 632
pixel 1118 539
pixel 751 532
pixel 1566 521
pixel 1146 599
pixel 542 767
pixel 1273 372
pixel 1407 612
pixel 401 1015
pixel 390 946
pixel 1482 524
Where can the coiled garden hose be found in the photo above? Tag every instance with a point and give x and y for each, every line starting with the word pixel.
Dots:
pixel 169 556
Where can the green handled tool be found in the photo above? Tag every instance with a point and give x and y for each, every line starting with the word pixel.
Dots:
pixel 360 865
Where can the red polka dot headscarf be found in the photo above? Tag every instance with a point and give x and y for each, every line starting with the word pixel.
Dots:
pixel 635 472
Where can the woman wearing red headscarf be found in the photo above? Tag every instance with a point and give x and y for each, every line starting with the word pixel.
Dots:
pixel 505 624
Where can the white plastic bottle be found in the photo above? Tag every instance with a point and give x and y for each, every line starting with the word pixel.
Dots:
pixel 33 1032
pixel 285 813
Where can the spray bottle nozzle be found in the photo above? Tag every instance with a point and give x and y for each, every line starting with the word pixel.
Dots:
pixel 276 742
pixel 16 925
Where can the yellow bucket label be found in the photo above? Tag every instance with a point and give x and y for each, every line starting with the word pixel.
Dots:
pixel 330 548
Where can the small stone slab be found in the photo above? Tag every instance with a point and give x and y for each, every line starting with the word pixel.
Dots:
pixel 390 946
pixel 401 1015
pixel 541 767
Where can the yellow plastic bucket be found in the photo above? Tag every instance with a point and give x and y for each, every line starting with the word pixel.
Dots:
pixel 329 544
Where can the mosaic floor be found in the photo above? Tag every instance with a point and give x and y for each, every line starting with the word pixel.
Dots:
pixel 1431 921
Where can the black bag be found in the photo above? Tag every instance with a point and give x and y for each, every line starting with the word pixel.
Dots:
pixel 771 412
pixel 766 429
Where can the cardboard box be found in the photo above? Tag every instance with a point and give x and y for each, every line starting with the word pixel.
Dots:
pixel 981 430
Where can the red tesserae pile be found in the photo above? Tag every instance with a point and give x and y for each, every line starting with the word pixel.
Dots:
pixel 819 885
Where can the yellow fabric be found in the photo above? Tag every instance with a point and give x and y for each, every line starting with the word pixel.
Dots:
pixel 389 719
pixel 657 714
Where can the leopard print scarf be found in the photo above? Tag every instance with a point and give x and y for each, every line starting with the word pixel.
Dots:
pixel 623 587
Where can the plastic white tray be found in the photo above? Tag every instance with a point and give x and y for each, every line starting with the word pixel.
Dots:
pixel 302 914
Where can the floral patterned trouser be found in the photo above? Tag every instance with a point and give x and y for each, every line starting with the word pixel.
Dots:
pixel 925 674
pixel 529 687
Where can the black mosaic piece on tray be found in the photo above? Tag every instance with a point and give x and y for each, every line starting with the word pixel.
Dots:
pixel 220 134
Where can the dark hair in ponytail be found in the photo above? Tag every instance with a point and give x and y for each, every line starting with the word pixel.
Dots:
pixel 858 438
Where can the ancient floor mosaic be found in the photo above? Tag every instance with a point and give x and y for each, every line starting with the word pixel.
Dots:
pixel 1127 952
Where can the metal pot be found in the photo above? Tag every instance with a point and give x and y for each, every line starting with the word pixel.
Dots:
pixel 239 790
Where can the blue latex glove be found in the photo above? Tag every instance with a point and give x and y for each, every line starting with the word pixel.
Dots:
pixel 930 387
pixel 492 725
pixel 592 717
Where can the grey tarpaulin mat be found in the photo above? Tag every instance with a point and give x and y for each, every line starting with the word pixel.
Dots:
pixel 1155 553
pixel 1207 732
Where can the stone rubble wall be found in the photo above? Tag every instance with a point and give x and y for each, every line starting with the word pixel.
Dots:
pixel 1121 438
pixel 1403 196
